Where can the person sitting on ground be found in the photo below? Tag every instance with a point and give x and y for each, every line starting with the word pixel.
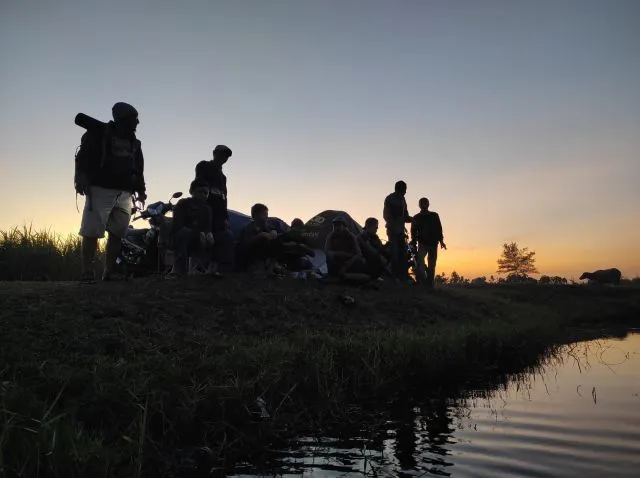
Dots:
pixel 191 235
pixel 259 247
pixel 375 253
pixel 344 257
pixel 296 251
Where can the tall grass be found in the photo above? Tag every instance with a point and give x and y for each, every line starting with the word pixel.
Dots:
pixel 28 254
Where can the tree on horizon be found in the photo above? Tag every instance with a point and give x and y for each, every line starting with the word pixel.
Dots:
pixel 516 260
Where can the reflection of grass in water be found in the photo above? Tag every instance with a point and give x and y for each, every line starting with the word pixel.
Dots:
pixel 578 354
pixel 113 379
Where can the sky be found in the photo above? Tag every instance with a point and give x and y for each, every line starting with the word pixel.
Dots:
pixel 519 120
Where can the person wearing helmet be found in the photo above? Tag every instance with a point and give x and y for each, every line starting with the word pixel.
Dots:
pixel 109 170
pixel 211 172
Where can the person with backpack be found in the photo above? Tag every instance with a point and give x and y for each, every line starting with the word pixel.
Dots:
pixel 109 170
pixel 211 172
pixel 426 234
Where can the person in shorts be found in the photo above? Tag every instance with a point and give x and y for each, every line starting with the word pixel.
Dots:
pixel 109 171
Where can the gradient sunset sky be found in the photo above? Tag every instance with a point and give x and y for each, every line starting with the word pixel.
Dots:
pixel 520 120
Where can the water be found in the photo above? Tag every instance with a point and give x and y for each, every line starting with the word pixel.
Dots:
pixel 577 415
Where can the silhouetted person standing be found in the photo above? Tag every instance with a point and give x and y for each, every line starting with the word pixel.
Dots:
pixel 211 172
pixel 396 215
pixel 109 170
pixel 426 234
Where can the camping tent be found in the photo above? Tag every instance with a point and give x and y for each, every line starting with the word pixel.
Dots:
pixel 319 226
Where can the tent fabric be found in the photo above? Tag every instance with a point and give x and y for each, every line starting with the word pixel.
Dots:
pixel 318 227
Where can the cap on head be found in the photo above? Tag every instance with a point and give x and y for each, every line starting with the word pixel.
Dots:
pixel 121 110
pixel 222 150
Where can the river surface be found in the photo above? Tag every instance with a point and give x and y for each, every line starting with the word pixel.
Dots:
pixel 577 415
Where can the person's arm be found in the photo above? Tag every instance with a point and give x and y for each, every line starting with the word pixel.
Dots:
pixel 250 235
pixel 440 234
pixel 226 202
pixel 356 245
pixel 140 188
pixel 365 247
pixel 439 228
pixel 407 217
pixel 387 212
pixel 414 232
pixel 178 217
pixel 328 243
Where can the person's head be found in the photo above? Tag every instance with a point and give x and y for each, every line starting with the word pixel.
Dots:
pixel 297 224
pixel 125 117
pixel 371 225
pixel 339 223
pixel 423 204
pixel 199 189
pixel 221 154
pixel 401 188
pixel 259 213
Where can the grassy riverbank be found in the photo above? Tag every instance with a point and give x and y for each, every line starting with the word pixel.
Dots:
pixel 115 379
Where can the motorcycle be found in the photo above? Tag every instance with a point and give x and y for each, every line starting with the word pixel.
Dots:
pixel 144 251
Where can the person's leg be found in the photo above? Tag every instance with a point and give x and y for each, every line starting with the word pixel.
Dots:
pixel 222 252
pixel 114 244
pixel 335 262
pixel 421 273
pixel 404 258
pixel 89 251
pixel 255 256
pixel 182 242
pixel 399 257
pixel 432 258
pixel 95 215
pixel 393 245
pixel 117 225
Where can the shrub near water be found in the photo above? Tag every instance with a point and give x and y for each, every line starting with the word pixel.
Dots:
pixel 26 254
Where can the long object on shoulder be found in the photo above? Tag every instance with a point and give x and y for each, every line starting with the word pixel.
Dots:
pixel 87 122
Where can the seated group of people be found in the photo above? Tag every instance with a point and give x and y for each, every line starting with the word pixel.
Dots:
pixel 356 257
pixel 262 250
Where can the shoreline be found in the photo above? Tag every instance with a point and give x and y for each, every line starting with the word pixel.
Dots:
pixel 122 375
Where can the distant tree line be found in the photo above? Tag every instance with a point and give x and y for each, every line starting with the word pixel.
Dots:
pixel 517 263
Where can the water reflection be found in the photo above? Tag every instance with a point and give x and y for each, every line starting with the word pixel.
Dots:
pixel 575 414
